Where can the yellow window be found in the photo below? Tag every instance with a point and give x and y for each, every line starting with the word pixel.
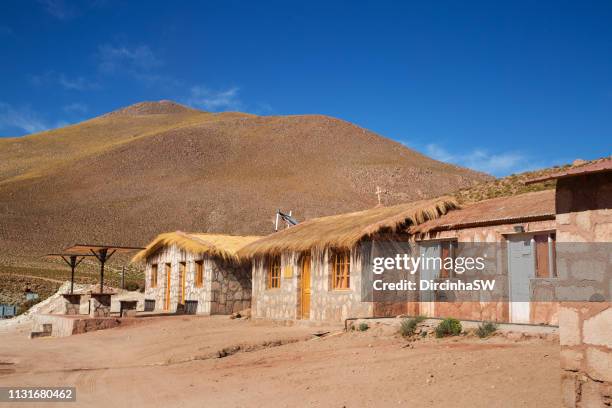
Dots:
pixel 154 275
pixel 341 269
pixel 199 273
pixel 274 272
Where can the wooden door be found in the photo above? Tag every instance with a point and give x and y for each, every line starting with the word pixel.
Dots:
pixel 305 284
pixel 183 272
pixel 168 281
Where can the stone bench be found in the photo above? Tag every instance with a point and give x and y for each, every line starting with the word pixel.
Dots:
pixel 127 308
pixel 72 303
pixel 100 305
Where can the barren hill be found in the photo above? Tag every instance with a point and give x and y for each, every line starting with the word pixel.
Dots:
pixel 159 166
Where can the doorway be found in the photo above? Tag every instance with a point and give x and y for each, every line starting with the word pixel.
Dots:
pixel 167 293
pixel 305 285
pixel 182 279
pixel 428 272
pixel 521 269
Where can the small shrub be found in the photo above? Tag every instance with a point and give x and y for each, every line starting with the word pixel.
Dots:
pixel 485 329
pixel 448 327
pixel 408 326
pixel 363 326
pixel 132 286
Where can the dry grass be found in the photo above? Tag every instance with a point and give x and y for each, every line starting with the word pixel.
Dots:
pixel 346 230
pixel 214 245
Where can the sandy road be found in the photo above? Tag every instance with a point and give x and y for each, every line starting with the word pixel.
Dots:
pixel 171 362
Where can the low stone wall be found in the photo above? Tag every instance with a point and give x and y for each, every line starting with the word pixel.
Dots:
pixel 586 354
pixel 63 326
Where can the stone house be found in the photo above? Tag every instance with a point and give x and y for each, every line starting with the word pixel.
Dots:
pixel 314 270
pixel 199 270
pixel 584 215
pixel 521 231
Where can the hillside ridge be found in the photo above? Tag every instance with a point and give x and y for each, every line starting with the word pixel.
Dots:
pixel 151 167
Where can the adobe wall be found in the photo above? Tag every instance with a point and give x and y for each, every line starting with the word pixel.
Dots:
pixel 584 215
pixel 226 287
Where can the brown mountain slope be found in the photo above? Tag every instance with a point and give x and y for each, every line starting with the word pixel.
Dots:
pixel 152 167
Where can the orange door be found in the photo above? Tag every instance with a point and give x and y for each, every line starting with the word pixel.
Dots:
pixel 167 297
pixel 305 280
pixel 183 272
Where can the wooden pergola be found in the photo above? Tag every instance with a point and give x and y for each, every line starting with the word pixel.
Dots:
pixel 73 260
pixel 102 253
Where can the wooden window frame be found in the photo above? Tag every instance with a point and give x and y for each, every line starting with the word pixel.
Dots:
pixel 199 274
pixel 274 270
pixel 447 250
pixel 153 277
pixel 340 265
pixel 548 255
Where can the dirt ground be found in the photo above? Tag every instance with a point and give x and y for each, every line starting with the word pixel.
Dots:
pixel 175 362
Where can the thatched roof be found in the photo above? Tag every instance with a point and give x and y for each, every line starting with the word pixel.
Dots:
pixel 346 230
pixel 214 245
pixel 535 206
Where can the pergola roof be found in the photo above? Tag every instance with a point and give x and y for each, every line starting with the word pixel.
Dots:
pixel 79 248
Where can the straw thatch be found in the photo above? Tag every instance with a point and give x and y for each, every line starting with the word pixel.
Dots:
pixel 346 230
pixel 215 245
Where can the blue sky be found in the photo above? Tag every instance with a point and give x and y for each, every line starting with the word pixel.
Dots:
pixel 496 86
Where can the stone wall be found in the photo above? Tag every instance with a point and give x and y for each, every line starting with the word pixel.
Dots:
pixel 278 303
pixel 326 304
pixel 230 287
pixel 585 334
pixel 226 286
pixel 584 215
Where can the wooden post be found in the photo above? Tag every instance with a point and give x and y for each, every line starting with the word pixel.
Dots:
pixel 72 268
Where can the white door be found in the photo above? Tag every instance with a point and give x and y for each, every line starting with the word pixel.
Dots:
pixel 429 273
pixel 521 269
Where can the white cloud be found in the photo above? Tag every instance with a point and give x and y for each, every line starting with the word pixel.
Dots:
pixel 59 9
pixel 202 97
pixel 77 84
pixel 72 84
pixel 480 159
pixel 121 58
pixel 76 107
pixel 23 119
